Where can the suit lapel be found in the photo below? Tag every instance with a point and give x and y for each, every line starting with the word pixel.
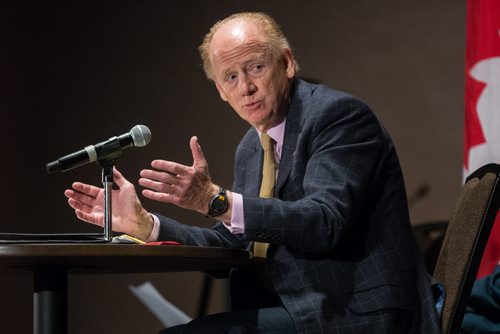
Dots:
pixel 293 127
pixel 251 163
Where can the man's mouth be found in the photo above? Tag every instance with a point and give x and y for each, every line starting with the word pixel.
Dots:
pixel 252 105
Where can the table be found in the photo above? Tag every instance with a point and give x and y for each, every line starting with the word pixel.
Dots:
pixel 51 264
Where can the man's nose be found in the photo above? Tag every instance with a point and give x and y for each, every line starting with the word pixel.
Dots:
pixel 246 85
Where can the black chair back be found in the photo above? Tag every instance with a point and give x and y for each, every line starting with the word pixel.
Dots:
pixel 465 241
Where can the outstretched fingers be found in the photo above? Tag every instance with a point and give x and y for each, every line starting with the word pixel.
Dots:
pixel 85 189
pixel 181 185
pixel 85 200
pixel 164 180
pixel 158 196
pixel 85 212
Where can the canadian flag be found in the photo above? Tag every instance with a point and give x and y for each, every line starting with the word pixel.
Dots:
pixel 482 102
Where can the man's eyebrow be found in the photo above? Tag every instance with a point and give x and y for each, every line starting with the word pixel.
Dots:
pixel 260 57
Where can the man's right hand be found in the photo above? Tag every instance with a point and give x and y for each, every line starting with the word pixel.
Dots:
pixel 129 216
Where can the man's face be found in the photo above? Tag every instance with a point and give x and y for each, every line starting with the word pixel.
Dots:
pixel 249 76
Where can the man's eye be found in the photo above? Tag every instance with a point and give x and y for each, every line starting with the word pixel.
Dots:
pixel 231 77
pixel 257 68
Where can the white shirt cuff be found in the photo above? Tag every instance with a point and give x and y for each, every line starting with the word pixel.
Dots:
pixel 156 229
pixel 237 225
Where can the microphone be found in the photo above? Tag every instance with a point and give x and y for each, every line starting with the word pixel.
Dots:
pixel 139 136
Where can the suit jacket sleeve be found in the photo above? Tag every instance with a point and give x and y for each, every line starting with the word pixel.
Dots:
pixel 218 236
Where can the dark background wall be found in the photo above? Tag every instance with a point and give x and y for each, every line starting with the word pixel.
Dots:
pixel 73 73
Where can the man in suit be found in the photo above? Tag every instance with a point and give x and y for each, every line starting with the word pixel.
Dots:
pixel 334 250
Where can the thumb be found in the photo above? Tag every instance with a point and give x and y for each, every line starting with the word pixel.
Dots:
pixel 118 178
pixel 198 157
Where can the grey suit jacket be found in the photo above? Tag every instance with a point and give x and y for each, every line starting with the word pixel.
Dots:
pixel 341 246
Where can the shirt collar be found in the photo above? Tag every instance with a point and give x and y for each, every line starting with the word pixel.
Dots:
pixel 277 133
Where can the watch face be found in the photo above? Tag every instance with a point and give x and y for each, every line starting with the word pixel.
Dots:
pixel 218 204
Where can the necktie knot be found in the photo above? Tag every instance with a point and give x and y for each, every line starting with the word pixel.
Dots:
pixel 266 141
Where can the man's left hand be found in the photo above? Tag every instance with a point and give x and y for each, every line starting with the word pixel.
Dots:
pixel 188 187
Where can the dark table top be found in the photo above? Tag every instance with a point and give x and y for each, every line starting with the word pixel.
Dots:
pixel 119 258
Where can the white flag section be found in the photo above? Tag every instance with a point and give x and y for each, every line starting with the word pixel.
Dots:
pixel 166 312
pixel 487 71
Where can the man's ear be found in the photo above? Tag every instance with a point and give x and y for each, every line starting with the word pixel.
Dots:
pixel 221 92
pixel 289 63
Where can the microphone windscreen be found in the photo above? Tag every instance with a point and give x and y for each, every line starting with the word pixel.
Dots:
pixel 141 135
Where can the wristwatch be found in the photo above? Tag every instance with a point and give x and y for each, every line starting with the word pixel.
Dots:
pixel 218 204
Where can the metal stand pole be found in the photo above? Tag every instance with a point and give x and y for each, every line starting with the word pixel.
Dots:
pixel 107 182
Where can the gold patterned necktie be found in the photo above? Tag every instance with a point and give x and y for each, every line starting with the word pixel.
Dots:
pixel 267 184
pixel 268 167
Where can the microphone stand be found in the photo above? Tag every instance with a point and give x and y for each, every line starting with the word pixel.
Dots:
pixel 107 165
pixel 107 182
